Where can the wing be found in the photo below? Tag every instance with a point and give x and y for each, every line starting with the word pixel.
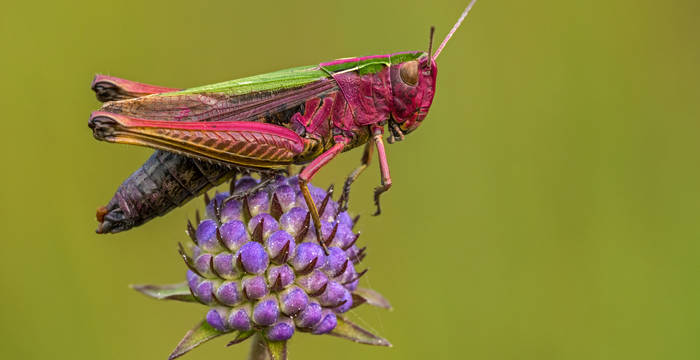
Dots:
pixel 247 99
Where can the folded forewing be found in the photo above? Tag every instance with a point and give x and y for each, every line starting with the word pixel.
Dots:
pixel 248 99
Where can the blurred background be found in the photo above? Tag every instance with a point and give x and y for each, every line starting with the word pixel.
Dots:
pixel 547 209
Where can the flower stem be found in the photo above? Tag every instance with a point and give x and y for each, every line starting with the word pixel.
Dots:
pixel 258 349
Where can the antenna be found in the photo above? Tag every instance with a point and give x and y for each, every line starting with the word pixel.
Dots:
pixel 454 28
pixel 430 47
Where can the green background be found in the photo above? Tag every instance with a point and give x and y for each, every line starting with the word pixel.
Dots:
pixel 547 209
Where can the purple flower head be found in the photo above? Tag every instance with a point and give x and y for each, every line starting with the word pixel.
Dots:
pixel 256 263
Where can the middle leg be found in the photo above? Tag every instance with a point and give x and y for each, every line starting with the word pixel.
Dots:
pixel 366 158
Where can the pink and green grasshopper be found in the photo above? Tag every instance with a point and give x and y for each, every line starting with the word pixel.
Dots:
pixel 265 123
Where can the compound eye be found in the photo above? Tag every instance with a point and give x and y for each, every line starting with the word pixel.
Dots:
pixel 409 72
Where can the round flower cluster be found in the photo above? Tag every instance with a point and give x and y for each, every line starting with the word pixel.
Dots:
pixel 257 262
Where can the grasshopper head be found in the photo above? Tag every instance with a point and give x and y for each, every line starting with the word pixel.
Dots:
pixel 413 89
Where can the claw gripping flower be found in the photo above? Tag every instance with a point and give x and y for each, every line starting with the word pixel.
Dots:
pixel 260 267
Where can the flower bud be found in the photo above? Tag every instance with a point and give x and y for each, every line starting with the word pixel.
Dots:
pixel 234 234
pixel 270 225
pixel 310 316
pixel 229 293
pixel 279 246
pixel 206 236
pixel 240 318
pixel 282 330
pixel 328 322
pixel 254 287
pixel 253 258
pixel 286 197
pixel 308 255
pixel 265 312
pixel 203 265
pixel 258 203
pixel 217 319
pixel 224 266
pixel 283 272
pixel 293 300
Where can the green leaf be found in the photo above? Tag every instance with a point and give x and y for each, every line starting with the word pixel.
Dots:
pixel 372 297
pixel 179 292
pixel 277 349
pixel 241 337
pixel 347 330
pixel 200 334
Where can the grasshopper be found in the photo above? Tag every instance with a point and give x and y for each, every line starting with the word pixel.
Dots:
pixel 264 123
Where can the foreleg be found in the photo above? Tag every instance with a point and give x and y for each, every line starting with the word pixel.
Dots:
pixel 383 167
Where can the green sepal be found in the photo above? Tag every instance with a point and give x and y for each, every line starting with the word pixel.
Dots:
pixel 179 292
pixel 347 330
pixel 200 334
pixel 370 297
pixel 276 349
pixel 241 337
